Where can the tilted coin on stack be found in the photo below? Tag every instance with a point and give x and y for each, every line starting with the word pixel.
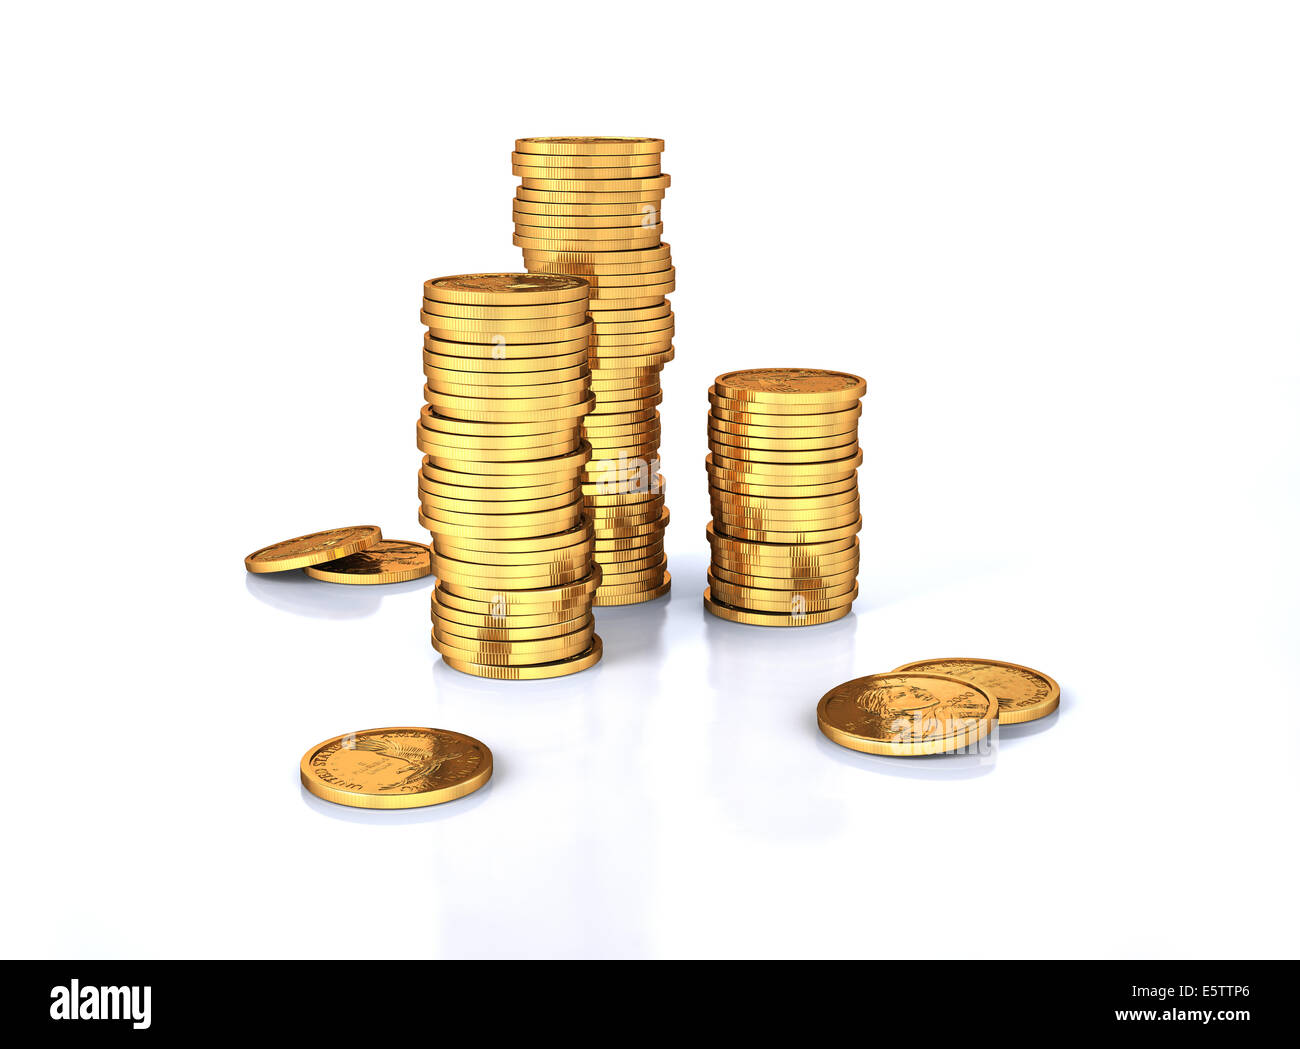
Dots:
pixel 507 387
pixel 782 465
pixel 589 207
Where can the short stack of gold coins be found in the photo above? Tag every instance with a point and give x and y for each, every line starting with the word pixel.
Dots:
pixel 782 465
pixel 507 386
pixel 589 207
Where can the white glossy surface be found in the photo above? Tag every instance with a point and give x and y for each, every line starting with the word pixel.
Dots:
pixel 1060 245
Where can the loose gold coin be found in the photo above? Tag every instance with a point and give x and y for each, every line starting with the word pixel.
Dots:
pixel 505 289
pixel 555 668
pixel 781 386
pixel 775 619
pixel 388 561
pixel 313 549
pixel 396 768
pixel 906 714
pixel 1023 694
pixel 597 145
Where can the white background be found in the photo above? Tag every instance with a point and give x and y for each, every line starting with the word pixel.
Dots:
pixel 1060 241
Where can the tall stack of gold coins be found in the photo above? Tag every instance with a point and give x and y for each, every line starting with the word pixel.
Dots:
pixel 782 465
pixel 508 384
pixel 589 207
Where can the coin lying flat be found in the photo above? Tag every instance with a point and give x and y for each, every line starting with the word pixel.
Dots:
pixel 396 768
pixel 313 549
pixel 1023 694
pixel 388 561
pixel 791 385
pixel 904 715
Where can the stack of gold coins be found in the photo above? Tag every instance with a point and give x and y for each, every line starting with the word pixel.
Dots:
pixel 589 207
pixel 782 465
pixel 508 385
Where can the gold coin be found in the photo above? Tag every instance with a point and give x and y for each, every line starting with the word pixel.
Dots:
pixel 660 253
pixel 791 535
pixel 505 602
pixel 502 368
pixel 522 598
pixel 585 211
pixel 623 573
pixel 553 232
pixel 582 174
pixel 488 551
pixel 388 561
pixel 802 583
pixel 525 325
pixel 788 457
pixel 776 619
pixel 794 473
pixel 600 359
pixel 653 324
pixel 906 714
pixel 553 519
pixel 454 311
pixel 609 264
pixel 597 185
pixel 748 595
pixel 596 145
pixel 781 386
pixel 555 668
pixel 313 549
pixel 602 317
pixel 722 488
pixel 519 577
pixel 512 653
pixel 440 507
pixel 763 425
pixel 609 560
pixel 734 503
pixel 744 548
pixel 584 160
pixel 450 406
pixel 452 453
pixel 610 285
pixel 506 342
pixel 634 597
pixel 396 768
pixel 502 289
pixel 547 196
pixel 781 444
pixel 504 349
pixel 739 571
pixel 1023 694
pixel 586 245
pixel 536 395
pixel 474 635
pixel 515 526
pixel 645 296
pixel 483 384
pixel 612 532
pixel 544 430
pixel 771 413
pixel 511 622
pixel 644 219
pixel 504 494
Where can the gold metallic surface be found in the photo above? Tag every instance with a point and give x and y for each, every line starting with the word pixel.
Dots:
pixel 1023 694
pixel 396 768
pixel 906 714
pixel 313 549
pixel 388 561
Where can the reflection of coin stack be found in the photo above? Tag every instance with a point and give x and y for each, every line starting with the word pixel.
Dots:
pixel 501 486
pixel 782 468
pixel 590 207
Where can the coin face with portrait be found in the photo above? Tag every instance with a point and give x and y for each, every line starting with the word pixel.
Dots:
pixel 906 714
pixel 1023 694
